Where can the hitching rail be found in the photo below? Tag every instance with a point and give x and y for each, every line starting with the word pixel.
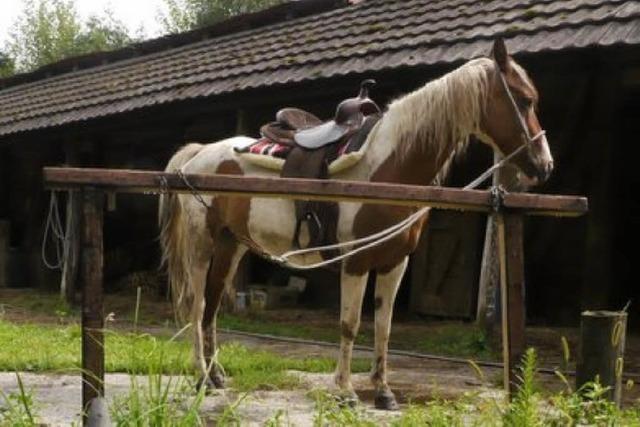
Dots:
pixel 135 181
pixel 93 183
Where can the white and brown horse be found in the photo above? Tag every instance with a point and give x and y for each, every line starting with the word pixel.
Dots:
pixel 413 143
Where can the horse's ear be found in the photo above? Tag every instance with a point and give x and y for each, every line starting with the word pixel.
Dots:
pixel 500 55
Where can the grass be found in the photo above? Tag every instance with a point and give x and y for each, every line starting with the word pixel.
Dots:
pixel 449 339
pixel 27 347
pixel 465 341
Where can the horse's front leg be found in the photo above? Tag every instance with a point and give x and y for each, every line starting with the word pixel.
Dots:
pixel 387 285
pixel 224 263
pixel 352 290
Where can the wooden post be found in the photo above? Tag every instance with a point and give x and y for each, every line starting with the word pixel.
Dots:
pixel 511 259
pixel 489 271
pixel 602 341
pixel 92 304
pixel 487 310
pixel 5 231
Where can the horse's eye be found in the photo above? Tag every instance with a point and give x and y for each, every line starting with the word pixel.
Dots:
pixel 526 103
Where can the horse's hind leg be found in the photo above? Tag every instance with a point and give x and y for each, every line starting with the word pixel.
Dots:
pixel 198 281
pixel 387 285
pixel 224 263
pixel 352 290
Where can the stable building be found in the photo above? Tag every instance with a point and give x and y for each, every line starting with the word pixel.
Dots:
pixel 133 108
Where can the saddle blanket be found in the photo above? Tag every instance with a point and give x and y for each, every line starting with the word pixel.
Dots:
pixel 271 155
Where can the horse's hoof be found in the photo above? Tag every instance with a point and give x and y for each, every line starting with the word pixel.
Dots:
pixel 386 400
pixel 347 399
pixel 206 384
pixel 217 379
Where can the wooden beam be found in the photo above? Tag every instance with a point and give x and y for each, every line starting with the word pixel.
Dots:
pixel 132 181
pixel 92 300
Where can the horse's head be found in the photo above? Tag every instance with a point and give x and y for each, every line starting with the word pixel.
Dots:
pixel 510 122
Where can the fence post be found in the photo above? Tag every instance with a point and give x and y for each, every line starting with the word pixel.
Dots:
pixel 511 257
pixel 92 298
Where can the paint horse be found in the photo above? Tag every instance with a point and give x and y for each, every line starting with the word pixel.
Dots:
pixel 414 143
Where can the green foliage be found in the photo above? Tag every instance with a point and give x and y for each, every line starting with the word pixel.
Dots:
pixel 184 15
pixel 16 409
pixel 157 399
pixel 7 65
pixel 50 30
pixel 331 412
pixel 524 409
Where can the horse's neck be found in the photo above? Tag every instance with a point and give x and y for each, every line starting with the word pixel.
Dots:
pixel 416 164
pixel 420 133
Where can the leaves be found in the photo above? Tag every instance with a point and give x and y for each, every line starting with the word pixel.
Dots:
pixel 50 30
pixel 185 15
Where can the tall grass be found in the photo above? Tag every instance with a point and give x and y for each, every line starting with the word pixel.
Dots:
pixel 17 409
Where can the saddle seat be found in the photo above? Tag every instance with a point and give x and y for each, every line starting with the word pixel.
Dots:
pixel 294 126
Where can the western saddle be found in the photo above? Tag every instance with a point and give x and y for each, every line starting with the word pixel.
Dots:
pixel 314 145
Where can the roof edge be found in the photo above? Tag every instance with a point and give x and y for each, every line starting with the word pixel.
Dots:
pixel 280 13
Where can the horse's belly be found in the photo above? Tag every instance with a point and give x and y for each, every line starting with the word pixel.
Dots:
pixel 272 225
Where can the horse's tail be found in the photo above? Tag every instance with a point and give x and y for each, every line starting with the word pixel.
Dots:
pixel 176 251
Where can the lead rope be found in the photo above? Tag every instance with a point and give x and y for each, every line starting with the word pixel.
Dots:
pixel 386 234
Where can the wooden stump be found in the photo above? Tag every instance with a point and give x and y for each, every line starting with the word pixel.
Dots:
pixel 602 339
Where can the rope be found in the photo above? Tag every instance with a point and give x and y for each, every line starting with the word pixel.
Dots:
pixel 388 233
pixel 54 229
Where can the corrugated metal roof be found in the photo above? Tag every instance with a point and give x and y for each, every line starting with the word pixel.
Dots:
pixel 371 36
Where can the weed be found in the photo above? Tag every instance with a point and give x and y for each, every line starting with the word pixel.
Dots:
pixel 278 419
pixel 230 415
pixel 330 412
pixel 524 409
pixel 157 399
pixel 17 408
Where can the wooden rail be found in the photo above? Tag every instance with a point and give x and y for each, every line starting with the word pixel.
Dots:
pixel 134 181
pixel 92 182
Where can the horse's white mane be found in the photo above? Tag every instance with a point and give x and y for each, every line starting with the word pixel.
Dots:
pixel 441 115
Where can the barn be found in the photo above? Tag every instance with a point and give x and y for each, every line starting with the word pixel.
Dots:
pixel 132 108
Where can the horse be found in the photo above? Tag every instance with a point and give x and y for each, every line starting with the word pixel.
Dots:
pixel 415 142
